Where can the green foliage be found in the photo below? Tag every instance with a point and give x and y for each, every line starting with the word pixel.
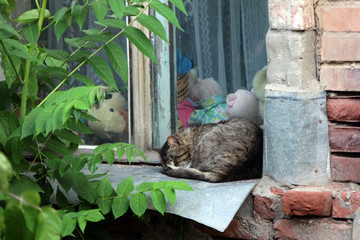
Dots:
pixel 47 128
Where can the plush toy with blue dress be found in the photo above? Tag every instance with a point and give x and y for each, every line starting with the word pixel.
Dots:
pixel 209 101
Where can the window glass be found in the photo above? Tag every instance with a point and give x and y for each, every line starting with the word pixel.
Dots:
pixel 223 40
pixel 113 111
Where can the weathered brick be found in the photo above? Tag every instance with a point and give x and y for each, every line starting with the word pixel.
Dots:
pixel 243 229
pixel 340 46
pixel 262 205
pixel 344 138
pixel 345 204
pixel 314 228
pixel 307 203
pixel 340 78
pixel 291 15
pixel 276 191
pixel 345 169
pixel 291 58
pixel 343 109
pixel 340 18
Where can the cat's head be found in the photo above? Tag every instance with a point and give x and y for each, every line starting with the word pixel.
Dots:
pixel 176 151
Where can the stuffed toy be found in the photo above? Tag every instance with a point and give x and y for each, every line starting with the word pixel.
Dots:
pixel 113 117
pixel 210 102
pixel 186 76
pixel 243 104
pixel 259 82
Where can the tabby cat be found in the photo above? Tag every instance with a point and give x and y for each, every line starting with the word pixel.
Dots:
pixel 219 152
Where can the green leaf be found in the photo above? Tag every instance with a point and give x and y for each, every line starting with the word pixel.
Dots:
pixel 28 127
pixel 31 16
pixel 83 188
pixel 8 69
pixel 57 116
pixel 120 152
pixel 68 226
pixel 93 162
pixel 16 150
pixel 33 87
pixel 154 25
pixel 23 184
pixel 29 212
pixel 166 12
pixel 57 53
pixel 139 39
pixel 60 14
pixel 79 13
pixel 82 223
pixel 118 60
pixel 145 186
pixel 8 28
pixel 138 203
pixel 109 156
pixel 16 44
pixel 180 5
pixel 94 215
pixel 68 135
pixel 117 7
pixel 6 173
pixel 182 185
pixel 81 78
pixel 100 8
pixel 125 187
pixel 41 121
pixel 60 28
pixel 61 199
pixel 103 70
pixel 31 33
pixel 104 205
pixel 120 205
pixel 170 194
pixel 158 199
pixel 105 189
pixel 49 225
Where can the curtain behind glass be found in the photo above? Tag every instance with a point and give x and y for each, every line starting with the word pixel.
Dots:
pixel 225 39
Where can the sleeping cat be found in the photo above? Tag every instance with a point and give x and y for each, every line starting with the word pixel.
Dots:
pixel 218 152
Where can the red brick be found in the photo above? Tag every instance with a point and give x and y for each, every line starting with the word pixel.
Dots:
pixel 344 139
pixel 262 205
pixel 345 204
pixel 308 229
pixel 340 18
pixel 291 15
pixel 307 203
pixel 340 78
pixel 340 47
pixel 242 229
pixel 276 191
pixel 345 169
pixel 343 109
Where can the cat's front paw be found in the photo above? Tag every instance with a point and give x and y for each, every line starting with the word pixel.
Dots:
pixel 172 166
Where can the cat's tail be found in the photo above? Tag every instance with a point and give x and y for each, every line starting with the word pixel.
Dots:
pixel 190 173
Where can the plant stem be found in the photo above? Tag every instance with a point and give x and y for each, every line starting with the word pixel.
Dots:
pixel 25 87
pixel 42 12
pixel 23 200
pixel 95 52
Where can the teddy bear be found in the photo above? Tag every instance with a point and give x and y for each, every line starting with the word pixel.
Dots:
pixel 113 115
pixel 243 104
pixel 259 82
pixel 186 76
pixel 210 102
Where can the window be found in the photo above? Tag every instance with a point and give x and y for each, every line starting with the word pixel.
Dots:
pixel 222 39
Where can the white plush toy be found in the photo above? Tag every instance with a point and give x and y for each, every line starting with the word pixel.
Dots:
pixel 242 104
pixel 113 117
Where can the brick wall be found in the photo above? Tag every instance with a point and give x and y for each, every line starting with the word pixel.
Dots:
pixel 339 56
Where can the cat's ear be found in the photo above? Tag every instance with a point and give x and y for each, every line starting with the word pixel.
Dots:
pixel 173 141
